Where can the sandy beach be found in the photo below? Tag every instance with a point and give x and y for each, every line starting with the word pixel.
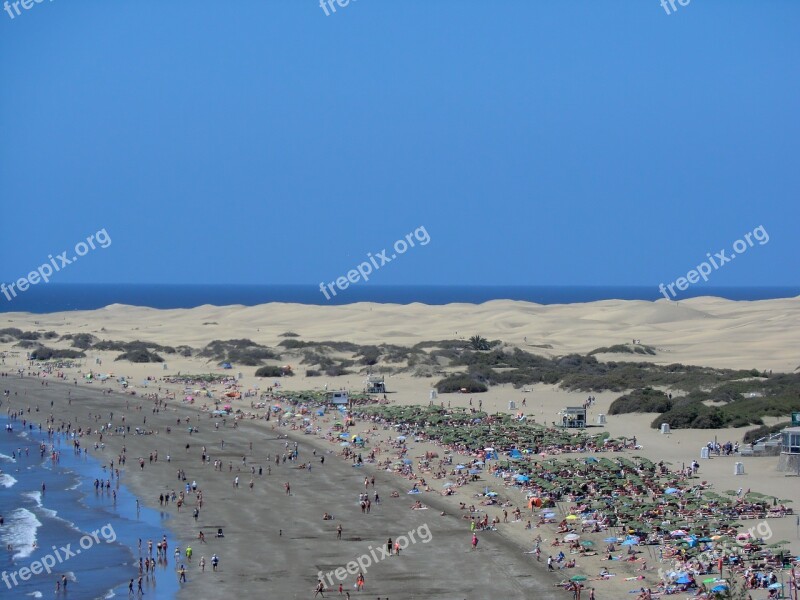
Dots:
pixel 279 543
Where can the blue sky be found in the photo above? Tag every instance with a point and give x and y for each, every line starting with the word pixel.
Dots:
pixel 539 143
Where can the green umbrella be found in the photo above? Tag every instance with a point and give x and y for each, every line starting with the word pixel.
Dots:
pixel 578 578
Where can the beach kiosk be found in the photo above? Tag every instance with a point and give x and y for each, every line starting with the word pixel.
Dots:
pixel 573 416
pixel 375 384
pixel 339 397
pixel 790 450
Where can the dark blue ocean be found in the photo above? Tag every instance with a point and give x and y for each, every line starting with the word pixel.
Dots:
pixel 60 297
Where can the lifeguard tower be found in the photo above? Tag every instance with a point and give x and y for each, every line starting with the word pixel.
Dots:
pixel 573 416
pixel 790 448
pixel 375 384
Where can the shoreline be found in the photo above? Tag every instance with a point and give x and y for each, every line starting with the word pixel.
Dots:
pixel 67 514
pixel 504 556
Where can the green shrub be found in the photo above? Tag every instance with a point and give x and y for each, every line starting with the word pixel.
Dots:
pixel 272 371
pixel 455 383
pixel 45 353
pixel 641 401
pixel 140 355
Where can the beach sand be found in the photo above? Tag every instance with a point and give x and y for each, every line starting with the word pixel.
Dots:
pixel 255 555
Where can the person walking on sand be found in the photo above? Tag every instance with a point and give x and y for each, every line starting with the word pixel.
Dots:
pixel 288 488
pixel 339 532
pixel 202 564
pixel 474 541
pixel 182 578
pixel 319 589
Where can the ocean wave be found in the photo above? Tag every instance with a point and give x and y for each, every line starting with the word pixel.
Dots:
pixel 7 480
pixel 7 458
pixel 37 497
pixel 36 594
pixel 20 531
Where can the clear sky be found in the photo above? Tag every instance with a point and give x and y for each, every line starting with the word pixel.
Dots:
pixel 577 142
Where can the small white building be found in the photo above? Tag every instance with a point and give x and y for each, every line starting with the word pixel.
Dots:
pixel 374 384
pixel 339 397
pixel 573 416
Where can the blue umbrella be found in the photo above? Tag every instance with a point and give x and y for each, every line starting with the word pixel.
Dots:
pixel 719 588
pixel 630 542
pixel 774 586
pixel 474 471
pixel 610 539
pixel 549 515
pixel 522 478
pixel 683 579
pixel 407 461
pixel 671 491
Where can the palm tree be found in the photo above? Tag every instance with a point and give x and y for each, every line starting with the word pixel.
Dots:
pixel 479 343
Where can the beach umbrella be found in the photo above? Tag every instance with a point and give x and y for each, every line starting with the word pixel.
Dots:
pixel 572 517
pixel 345 444
pixel 571 537
pixel 460 467
pixel 671 490
pixel 710 580
pixel 522 478
pixel 578 578
pixel 549 515
pixel 630 542
pixel 774 586
pixel 719 588
pixel 448 484
pixel 683 579
pixel 474 471
pixel 610 539
pixel 587 543
pixel 407 461
pixel 678 533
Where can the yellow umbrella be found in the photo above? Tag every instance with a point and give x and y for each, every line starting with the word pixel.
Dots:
pixel 572 518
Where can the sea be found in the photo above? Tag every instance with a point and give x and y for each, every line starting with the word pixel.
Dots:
pixel 55 297
pixel 46 505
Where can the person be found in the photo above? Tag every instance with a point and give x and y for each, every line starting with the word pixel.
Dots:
pixel 339 532
pixel 319 589
pixel 202 564
pixel 214 561
pixel 591 594
pixel 182 578
pixel 474 542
